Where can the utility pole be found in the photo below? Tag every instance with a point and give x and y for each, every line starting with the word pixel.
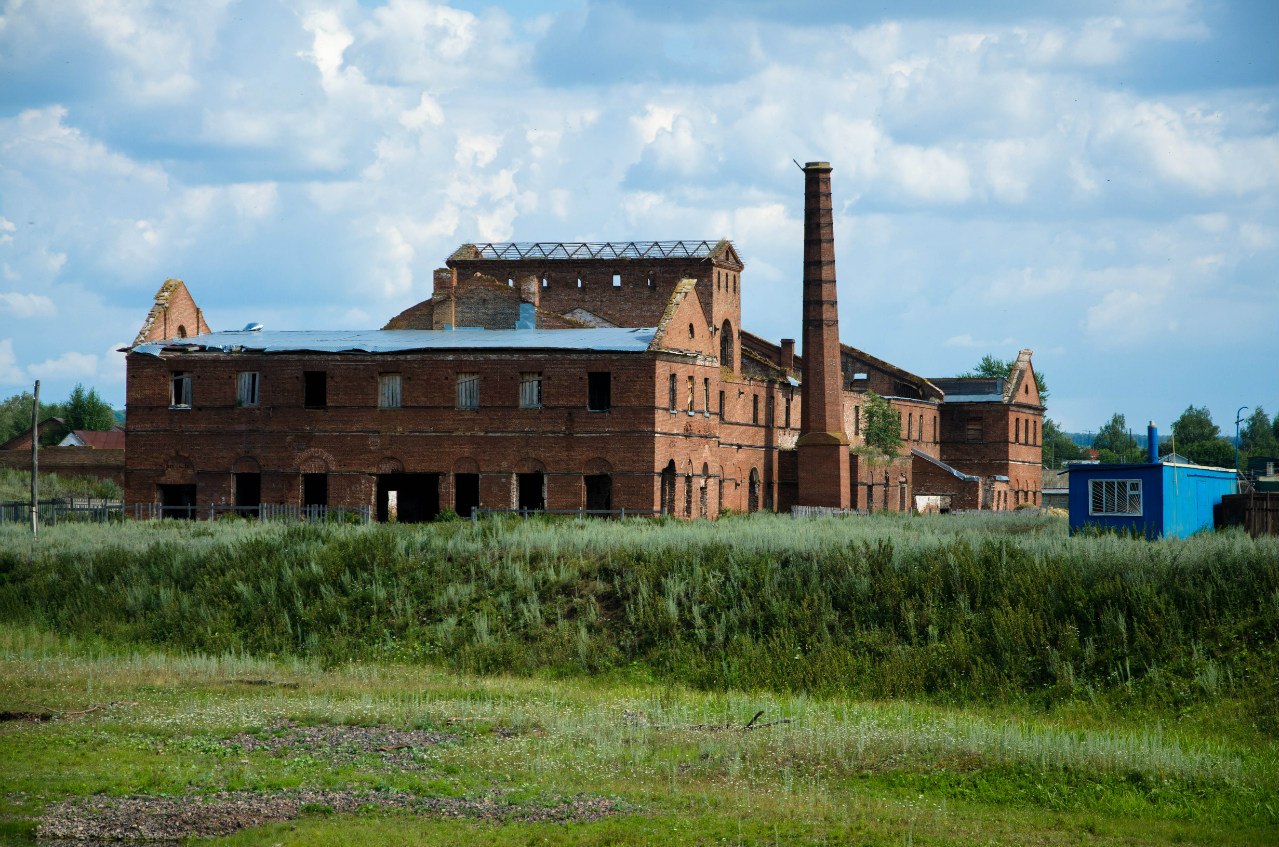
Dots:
pixel 35 462
pixel 1238 420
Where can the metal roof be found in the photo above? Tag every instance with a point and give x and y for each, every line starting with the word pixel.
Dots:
pixel 563 250
pixel 610 339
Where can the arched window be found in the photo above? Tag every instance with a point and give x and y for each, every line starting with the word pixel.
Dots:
pixel 726 345
pixel 668 488
pixel 702 493
pixel 752 494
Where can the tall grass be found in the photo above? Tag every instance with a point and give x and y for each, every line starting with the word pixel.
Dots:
pixel 953 607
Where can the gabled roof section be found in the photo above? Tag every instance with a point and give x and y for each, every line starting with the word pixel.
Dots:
pixel 173 294
pixel 927 389
pixel 721 251
pixel 684 291
pixel 1021 386
pixel 111 439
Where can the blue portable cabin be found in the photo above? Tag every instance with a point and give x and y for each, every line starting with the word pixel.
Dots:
pixel 1155 498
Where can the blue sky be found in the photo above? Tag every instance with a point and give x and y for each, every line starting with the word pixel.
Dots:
pixel 1097 181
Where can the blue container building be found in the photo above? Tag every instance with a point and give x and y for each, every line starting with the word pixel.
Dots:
pixel 1155 498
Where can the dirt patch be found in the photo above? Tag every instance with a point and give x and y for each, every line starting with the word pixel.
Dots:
pixel 341 744
pixel 32 717
pixel 103 819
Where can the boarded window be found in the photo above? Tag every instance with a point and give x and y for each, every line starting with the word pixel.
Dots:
pixel 531 390
pixel 315 386
pixel 468 391
pixel 246 388
pixel 1114 497
pixel 388 391
pixel 180 390
pixel 599 391
pixel 972 431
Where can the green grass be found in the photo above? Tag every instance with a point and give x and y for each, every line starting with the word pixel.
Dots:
pixel 16 485
pixel 841 771
pixel 946 680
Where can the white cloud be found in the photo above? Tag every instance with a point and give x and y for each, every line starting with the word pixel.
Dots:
pixel 26 305
pixel 66 366
pixel 10 373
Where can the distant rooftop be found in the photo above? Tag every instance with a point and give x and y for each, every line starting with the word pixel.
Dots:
pixel 963 389
pixel 566 251
pixel 611 339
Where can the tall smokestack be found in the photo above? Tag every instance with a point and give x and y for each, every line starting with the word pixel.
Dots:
pixel 823 447
pixel 1152 444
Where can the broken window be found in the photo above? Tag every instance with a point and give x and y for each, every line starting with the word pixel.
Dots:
pixel 910 425
pixel 599 492
pixel 674 399
pixel 468 391
pixel 721 405
pixel 754 408
pixel 726 345
pixel 706 396
pixel 857 420
pixel 531 390
pixel 180 390
pixel 688 495
pixel 246 388
pixel 388 391
pixel 786 411
pixel 690 395
pixel 1017 430
pixel 315 385
pixel 315 490
pixel 599 391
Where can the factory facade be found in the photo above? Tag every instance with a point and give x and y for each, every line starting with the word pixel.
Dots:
pixel 559 376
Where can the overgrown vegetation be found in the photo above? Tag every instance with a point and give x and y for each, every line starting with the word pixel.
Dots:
pixel 16 485
pixel 954 608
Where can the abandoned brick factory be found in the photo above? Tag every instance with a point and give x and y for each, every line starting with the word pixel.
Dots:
pixel 558 376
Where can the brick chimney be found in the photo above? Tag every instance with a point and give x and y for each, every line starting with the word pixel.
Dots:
pixel 445 281
pixel 824 476
pixel 788 354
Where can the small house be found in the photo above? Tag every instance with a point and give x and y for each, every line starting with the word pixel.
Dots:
pixel 1156 498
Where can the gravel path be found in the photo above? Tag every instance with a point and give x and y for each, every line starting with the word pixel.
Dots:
pixel 141 818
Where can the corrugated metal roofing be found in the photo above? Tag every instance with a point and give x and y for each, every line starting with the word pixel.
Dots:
pixel 610 339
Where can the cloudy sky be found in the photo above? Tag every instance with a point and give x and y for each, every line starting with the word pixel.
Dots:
pixel 1098 181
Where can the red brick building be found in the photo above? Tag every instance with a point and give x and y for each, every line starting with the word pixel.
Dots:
pixel 557 376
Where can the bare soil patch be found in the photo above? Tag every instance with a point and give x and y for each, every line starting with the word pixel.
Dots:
pixel 341 744
pixel 151 819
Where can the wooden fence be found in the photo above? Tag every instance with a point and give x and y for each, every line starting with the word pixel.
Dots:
pixel 1257 512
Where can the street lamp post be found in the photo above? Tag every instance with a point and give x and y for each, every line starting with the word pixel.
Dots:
pixel 1238 420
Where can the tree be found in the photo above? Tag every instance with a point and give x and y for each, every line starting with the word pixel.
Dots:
pixel 1258 437
pixel 15 414
pixel 991 367
pixel 1115 445
pixel 883 425
pixel 86 410
pixel 1199 439
pixel 1057 445
pixel 1194 425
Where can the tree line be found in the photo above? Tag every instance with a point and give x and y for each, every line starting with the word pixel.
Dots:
pixel 84 409
pixel 1194 436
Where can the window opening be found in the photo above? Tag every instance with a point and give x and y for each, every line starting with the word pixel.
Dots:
pixel 246 388
pixel 315 490
pixel 617 280
pixel 721 405
pixel 531 390
pixel 388 391
pixel 857 420
pixel 786 411
pixel 532 491
pixel 180 390
pixel 248 493
pixel 726 345
pixel 468 391
pixel 599 391
pixel 315 389
pixel 706 396
pixel 754 408
pixel 1114 497
pixel 599 492
pixel 689 402
pixel 668 488
pixel 408 497
pixel 177 501
pixel 688 495
pixel 1017 430
pixel 752 496
pixel 466 493
pixel 702 504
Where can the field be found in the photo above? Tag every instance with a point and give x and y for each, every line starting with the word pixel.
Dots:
pixel 943 680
